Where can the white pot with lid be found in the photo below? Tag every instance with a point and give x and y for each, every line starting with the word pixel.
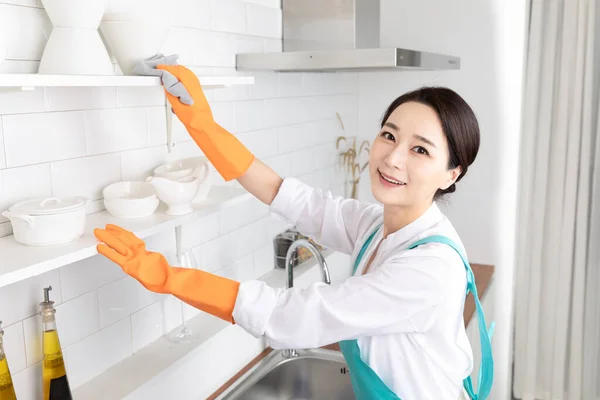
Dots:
pixel 49 221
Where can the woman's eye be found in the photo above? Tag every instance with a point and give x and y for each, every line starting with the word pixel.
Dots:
pixel 388 136
pixel 421 150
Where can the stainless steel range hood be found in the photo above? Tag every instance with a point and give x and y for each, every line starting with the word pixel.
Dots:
pixel 338 35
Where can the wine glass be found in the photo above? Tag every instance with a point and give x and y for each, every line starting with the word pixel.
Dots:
pixel 184 259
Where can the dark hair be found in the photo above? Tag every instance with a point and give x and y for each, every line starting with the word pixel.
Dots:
pixel 458 123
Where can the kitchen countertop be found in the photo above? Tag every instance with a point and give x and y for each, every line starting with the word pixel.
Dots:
pixel 483 278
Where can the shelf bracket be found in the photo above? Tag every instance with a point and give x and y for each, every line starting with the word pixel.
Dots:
pixel 8 89
pixel 169 117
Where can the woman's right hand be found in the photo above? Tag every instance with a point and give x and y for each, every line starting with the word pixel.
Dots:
pixel 228 155
pixel 200 109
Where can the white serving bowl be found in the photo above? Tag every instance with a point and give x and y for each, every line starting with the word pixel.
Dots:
pixel 193 166
pixel 132 37
pixel 178 194
pixel 130 199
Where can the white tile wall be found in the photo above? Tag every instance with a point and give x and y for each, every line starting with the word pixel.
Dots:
pixel 43 137
pixel 75 141
pixel 78 98
pixel 115 130
pixel 2 154
pixel 20 183
pixel 22 102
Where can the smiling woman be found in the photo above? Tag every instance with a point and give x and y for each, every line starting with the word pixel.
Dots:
pixel 399 317
pixel 428 139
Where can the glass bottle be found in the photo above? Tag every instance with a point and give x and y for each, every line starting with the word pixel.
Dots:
pixel 54 373
pixel 7 390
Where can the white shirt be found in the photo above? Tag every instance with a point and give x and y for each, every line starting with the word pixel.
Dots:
pixel 406 312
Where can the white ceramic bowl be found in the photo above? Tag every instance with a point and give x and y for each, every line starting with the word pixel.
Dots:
pixel 178 194
pixel 186 167
pixel 174 170
pixel 130 199
pixel 133 37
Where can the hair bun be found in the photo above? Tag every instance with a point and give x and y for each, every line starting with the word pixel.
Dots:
pixel 450 189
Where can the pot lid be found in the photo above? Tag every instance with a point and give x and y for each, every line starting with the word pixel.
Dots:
pixel 47 206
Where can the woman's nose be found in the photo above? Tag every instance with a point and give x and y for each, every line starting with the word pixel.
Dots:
pixel 396 158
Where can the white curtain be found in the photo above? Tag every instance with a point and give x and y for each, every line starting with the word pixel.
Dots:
pixel 557 303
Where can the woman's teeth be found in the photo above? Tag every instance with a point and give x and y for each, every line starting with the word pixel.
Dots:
pixel 392 181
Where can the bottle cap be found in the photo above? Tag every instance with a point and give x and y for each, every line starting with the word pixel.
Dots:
pixel 47 301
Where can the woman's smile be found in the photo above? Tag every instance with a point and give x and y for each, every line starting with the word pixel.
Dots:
pixel 389 181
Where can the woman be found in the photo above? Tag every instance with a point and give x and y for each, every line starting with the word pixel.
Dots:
pixel 399 318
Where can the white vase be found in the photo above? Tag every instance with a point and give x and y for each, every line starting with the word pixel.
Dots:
pixel 133 36
pixel 74 46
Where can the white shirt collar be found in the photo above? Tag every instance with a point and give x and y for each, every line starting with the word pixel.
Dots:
pixel 410 232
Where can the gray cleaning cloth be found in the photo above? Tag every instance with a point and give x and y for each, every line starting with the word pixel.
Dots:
pixel 169 81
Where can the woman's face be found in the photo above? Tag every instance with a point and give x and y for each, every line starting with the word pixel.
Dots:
pixel 409 158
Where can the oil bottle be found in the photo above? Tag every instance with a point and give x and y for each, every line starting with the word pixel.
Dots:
pixel 54 373
pixel 7 390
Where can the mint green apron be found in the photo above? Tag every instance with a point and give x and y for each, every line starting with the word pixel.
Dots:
pixel 366 383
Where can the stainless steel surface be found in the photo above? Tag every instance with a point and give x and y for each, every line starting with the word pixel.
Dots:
pixel 318 25
pixel 289 273
pixel 347 60
pixel 338 35
pixel 178 244
pixel 289 261
pixel 367 14
pixel 312 374
pixel 296 374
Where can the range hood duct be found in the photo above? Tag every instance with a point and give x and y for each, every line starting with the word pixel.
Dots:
pixel 338 35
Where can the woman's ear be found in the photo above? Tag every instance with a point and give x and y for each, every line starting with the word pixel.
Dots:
pixel 453 175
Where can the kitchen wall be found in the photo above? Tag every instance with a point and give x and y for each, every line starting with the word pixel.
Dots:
pixel 489 38
pixel 75 141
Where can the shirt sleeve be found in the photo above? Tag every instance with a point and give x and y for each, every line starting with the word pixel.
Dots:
pixel 333 222
pixel 401 295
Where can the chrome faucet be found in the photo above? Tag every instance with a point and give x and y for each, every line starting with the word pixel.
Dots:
pixel 289 272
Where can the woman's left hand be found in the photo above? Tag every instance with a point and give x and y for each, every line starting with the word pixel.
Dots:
pixel 127 250
pixel 205 291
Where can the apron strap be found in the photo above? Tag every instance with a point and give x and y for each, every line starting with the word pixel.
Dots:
pixel 363 249
pixel 486 368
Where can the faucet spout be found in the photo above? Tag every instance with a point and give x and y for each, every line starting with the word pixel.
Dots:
pixel 289 272
pixel 289 261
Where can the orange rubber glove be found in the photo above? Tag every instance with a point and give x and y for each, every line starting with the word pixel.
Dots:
pixel 205 291
pixel 228 155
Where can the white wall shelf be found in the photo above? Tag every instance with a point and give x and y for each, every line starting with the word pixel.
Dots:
pixel 31 81
pixel 19 262
pixel 25 82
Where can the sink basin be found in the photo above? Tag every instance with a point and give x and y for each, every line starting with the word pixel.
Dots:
pixel 312 374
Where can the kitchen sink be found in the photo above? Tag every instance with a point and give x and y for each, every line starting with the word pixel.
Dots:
pixel 309 375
